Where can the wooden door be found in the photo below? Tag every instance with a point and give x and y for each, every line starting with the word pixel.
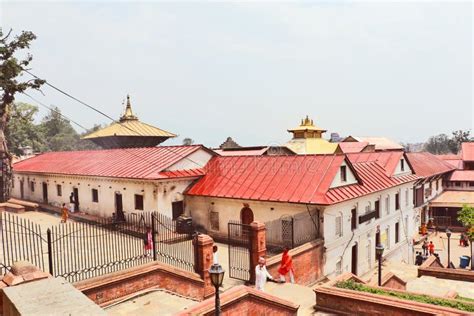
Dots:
pixel 354 259
pixel 177 209
pixel 45 192
pixel 76 199
pixel 22 190
pixel 120 216
pixel 246 215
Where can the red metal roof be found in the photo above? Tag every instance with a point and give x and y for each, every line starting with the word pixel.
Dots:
pixel 295 179
pixel 388 160
pixel 426 165
pixel 135 163
pixel 467 151
pixel 352 147
pixel 462 175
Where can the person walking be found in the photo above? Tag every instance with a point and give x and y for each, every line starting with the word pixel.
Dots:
pixel 424 246
pixel 431 248
pixel 71 202
pixel 148 241
pixel 286 266
pixel 418 259
pixel 214 255
pixel 261 275
pixel 64 213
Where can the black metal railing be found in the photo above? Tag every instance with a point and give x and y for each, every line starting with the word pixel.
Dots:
pixel 78 251
pixel 292 231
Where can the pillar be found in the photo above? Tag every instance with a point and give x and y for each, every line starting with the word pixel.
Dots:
pixel 203 261
pixel 258 246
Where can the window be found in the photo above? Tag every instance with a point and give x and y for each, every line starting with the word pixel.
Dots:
pixel 368 248
pixel 387 238
pixel 214 217
pixel 457 184
pixel 402 164
pixel 407 196
pixel 343 173
pixel 139 202
pixel 32 186
pixel 397 232
pixel 406 226
pixel 431 185
pixel 339 226
pixel 437 185
pixel 59 190
pixel 471 184
pixel 339 267
pixel 95 198
pixel 397 201
pixel 387 204
pixel 353 218
pixel 13 183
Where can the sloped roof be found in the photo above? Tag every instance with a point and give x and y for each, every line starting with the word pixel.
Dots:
pixel 381 143
pixel 388 160
pixel 129 128
pixel 453 199
pixel 352 147
pixel 462 175
pixel 295 179
pixel 133 163
pixel 255 151
pixel 453 160
pixel 467 151
pixel 425 164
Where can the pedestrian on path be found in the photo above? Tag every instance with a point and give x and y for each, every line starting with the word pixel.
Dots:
pixel 286 266
pixel 431 248
pixel 424 246
pixel 261 275
pixel 214 255
pixel 418 259
pixel 64 213
pixel 148 241
pixel 71 202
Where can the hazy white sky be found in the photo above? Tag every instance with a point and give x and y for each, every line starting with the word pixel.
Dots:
pixel 251 70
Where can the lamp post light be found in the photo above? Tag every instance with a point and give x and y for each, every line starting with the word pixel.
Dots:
pixel 448 234
pixel 379 252
pixel 217 276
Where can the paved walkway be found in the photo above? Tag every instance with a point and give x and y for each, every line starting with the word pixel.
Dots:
pixel 298 294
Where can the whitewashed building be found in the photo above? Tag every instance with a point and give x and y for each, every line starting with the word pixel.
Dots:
pixel 362 199
pixel 112 181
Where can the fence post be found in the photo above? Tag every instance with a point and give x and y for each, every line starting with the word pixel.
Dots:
pixel 292 232
pixel 50 252
pixel 153 235
pixel 258 246
pixel 203 261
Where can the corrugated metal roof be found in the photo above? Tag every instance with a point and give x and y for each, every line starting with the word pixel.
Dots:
pixel 453 199
pixel 462 175
pixel 426 165
pixel 134 163
pixel 467 151
pixel 296 179
pixel 381 143
pixel 352 147
pixel 374 179
pixel 388 160
pixel 129 128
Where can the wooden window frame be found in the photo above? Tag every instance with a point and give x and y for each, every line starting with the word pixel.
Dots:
pixel 139 202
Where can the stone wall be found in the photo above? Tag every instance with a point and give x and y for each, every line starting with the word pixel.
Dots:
pixel 307 262
pixel 243 300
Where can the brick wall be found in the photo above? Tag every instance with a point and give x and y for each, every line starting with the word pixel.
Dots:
pixel 107 289
pixel 444 273
pixel 391 281
pixel 307 262
pixel 243 300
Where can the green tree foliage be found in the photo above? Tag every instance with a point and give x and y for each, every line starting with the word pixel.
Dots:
pixel 443 144
pixel 188 141
pixel 21 130
pixel 466 217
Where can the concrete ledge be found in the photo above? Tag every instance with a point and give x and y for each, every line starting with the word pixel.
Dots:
pixel 29 206
pixel 107 289
pixel 449 274
pixel 243 300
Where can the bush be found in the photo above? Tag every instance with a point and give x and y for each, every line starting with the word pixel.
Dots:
pixel 352 285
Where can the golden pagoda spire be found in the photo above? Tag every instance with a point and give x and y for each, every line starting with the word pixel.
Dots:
pixel 128 115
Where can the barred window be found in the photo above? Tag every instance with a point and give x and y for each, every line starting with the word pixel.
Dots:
pixel 59 190
pixel 214 217
pixel 138 202
pixel 95 196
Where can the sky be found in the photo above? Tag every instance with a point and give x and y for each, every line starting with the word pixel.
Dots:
pixel 252 70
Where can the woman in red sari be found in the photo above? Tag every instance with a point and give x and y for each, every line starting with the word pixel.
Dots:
pixel 286 266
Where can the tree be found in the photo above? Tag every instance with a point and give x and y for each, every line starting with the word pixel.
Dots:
pixel 58 132
pixel 21 130
pixel 11 68
pixel 188 141
pixel 458 138
pixel 439 144
pixel 466 217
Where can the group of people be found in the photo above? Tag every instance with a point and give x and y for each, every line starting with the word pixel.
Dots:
pixel 286 268
pixel 428 249
pixel 463 240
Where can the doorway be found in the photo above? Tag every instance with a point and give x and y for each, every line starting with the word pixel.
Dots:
pixel 45 192
pixel 354 259
pixel 22 189
pixel 76 199
pixel 246 215
pixel 177 209
pixel 120 216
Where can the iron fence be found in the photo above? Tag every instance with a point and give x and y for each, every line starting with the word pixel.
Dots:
pixel 78 251
pixel 291 231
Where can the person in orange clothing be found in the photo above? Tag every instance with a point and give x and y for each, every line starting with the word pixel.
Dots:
pixel 286 266
pixel 431 248
pixel 64 213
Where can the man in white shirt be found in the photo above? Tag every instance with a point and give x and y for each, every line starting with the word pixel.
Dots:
pixel 261 275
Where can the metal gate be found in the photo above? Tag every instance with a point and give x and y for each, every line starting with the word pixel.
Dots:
pixel 240 244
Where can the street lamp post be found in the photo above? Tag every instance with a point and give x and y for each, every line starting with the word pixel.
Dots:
pixel 448 234
pixel 379 252
pixel 217 276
